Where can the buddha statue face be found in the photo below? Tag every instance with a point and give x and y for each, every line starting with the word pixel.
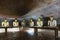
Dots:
pixel 15 20
pixel 23 20
pixel 39 19
pixel 31 20
pixel 51 18
pixel 5 20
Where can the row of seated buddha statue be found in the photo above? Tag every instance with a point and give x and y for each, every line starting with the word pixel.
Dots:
pixel 39 22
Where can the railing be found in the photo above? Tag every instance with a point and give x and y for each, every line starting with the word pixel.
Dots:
pixel 36 30
pixel 50 28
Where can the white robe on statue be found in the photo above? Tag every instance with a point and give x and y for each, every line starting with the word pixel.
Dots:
pixel 52 23
pixel 15 24
pixel 40 24
pixel 5 24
